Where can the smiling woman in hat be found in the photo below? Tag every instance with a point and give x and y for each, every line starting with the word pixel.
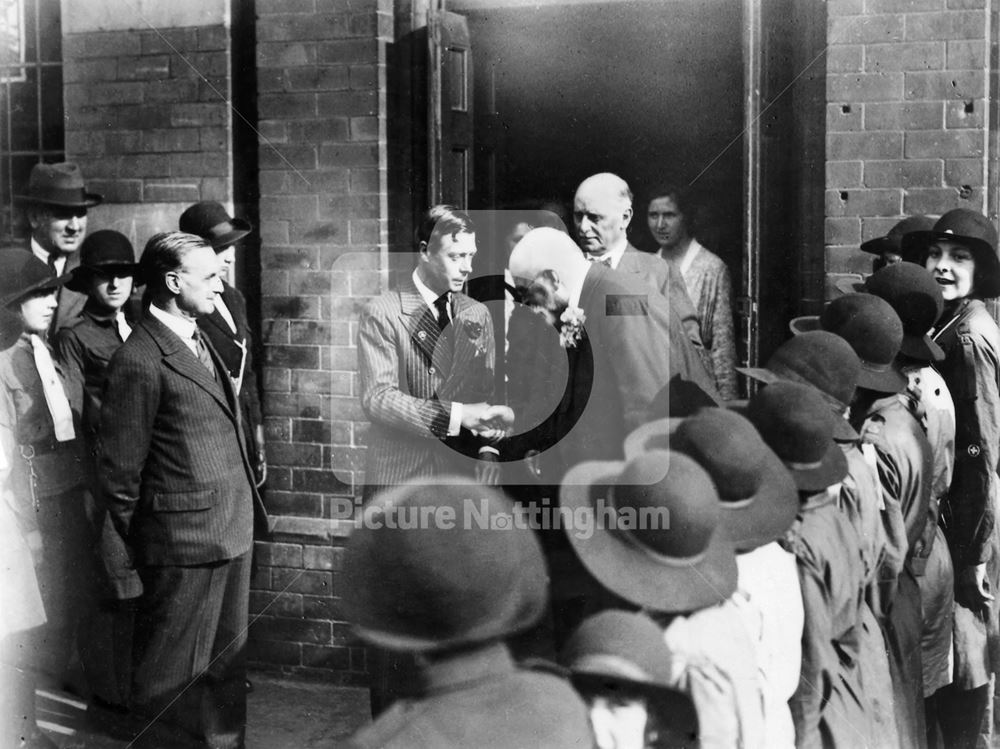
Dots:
pixel 961 253
pixel 44 478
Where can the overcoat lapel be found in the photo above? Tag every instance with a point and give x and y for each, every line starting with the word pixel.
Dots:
pixel 422 326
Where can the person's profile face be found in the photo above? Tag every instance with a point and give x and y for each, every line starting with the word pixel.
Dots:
pixel 666 222
pixel 601 219
pixel 446 262
pixel 58 228
pixel 36 312
pixel 954 268
pixel 197 282
pixel 618 722
pixel 227 261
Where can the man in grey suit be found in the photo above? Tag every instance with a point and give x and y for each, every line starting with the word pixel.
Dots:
pixel 179 485
pixel 602 211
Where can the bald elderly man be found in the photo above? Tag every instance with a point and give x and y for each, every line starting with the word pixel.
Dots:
pixel 602 211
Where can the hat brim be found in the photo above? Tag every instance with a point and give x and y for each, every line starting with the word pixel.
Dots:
pixel 987 263
pixel 879 246
pixel 842 430
pixel 804 324
pixel 851 286
pixel 757 520
pixel 831 470
pixel 921 348
pixel 631 573
pixel 80 276
pixel 240 229
pixel 53 283
pixel 90 199
pixel 888 380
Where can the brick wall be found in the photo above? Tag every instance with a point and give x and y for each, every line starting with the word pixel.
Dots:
pixel 322 107
pixel 148 123
pixel 906 117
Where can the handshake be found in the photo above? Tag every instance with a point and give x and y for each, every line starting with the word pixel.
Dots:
pixel 492 423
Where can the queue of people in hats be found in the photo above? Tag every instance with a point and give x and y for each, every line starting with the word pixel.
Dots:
pixel 814 566
pixel 125 557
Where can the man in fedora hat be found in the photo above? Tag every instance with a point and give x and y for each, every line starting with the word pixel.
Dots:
pixel 449 590
pixel 759 502
pixel 228 327
pixel 683 580
pixel 620 667
pixel 43 483
pixel 56 203
pixel 85 346
pixel 828 706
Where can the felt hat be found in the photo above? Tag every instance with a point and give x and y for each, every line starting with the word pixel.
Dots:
pixel 657 539
pixel 915 296
pixel 58 184
pixel 893 241
pixel 972 230
pixel 106 250
pixel 209 220
pixel 796 423
pixel 441 566
pixel 759 498
pixel 872 328
pixel 22 274
pixel 820 359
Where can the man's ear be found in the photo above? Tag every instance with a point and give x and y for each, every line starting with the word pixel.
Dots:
pixel 172 282
pixel 36 215
pixel 627 217
pixel 422 248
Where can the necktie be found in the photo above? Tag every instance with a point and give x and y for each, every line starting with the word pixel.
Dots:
pixel 202 350
pixel 441 305
pixel 605 261
pixel 122 326
pixel 55 396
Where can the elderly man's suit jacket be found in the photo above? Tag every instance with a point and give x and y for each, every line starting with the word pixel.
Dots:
pixel 411 373
pixel 173 467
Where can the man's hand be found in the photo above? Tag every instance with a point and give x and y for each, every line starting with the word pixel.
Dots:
pixel 972 589
pixel 488 468
pixel 482 417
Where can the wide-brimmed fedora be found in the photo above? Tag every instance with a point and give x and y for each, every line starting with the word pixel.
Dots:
pixel 22 274
pixel 893 241
pixel 107 251
pixel 872 328
pixel 759 498
pixel 209 220
pixel 442 566
pixel 970 229
pixel 796 423
pixel 822 360
pixel 657 539
pixel 912 292
pixel 58 184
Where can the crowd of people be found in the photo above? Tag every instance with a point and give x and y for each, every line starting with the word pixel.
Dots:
pixel 826 574
pixel 604 546
pixel 132 452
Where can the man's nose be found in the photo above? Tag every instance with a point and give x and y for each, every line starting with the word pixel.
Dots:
pixel 73 223
pixel 217 285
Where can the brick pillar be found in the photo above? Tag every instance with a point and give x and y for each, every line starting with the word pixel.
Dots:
pixel 906 117
pixel 323 210
pixel 146 112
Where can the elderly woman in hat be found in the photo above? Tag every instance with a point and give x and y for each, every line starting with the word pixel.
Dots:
pixel 625 675
pixel 961 253
pixel 43 484
pixel 228 327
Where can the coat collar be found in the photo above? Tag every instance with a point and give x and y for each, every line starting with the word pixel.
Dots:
pixel 454 672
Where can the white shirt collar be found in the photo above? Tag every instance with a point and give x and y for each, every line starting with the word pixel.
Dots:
pixel 42 254
pixel 182 327
pixel 615 253
pixel 426 294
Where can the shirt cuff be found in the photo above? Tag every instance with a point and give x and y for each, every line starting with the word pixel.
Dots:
pixel 488 449
pixel 455 423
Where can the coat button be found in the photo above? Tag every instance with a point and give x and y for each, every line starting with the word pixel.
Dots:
pixel 431 370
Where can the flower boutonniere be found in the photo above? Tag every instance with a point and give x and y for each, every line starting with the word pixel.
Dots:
pixel 473 329
pixel 571 327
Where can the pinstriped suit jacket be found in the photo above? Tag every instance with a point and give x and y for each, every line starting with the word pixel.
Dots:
pixel 411 374
pixel 173 465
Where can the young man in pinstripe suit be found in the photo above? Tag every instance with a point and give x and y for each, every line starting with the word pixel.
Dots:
pixel 179 486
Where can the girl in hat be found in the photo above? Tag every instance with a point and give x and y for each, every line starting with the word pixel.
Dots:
pixel 961 253
pixel 41 486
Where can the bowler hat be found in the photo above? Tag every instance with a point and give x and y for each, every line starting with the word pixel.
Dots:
pixel 893 241
pixel 23 274
pixel 874 331
pixel 105 250
pixel 915 296
pixel 758 496
pixel 657 540
pixel 823 360
pixel 796 423
pixel 442 566
pixel 209 220
pixel 58 184
pixel 970 229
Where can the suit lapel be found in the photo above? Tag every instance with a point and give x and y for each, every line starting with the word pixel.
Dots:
pixel 421 324
pixel 465 347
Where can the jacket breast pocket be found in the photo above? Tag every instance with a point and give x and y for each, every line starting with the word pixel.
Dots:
pixel 184 501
